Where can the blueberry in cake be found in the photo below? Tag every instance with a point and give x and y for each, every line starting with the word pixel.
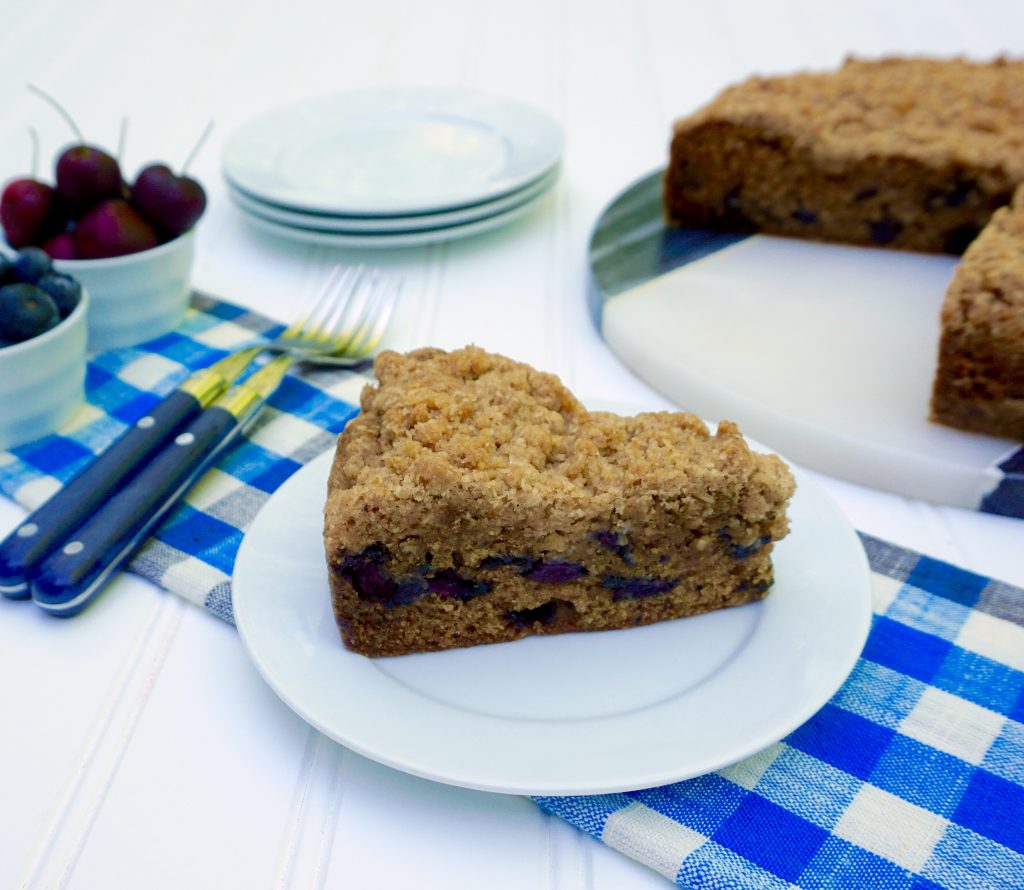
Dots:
pixel 909 153
pixel 474 500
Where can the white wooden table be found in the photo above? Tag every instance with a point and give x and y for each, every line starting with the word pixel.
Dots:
pixel 139 747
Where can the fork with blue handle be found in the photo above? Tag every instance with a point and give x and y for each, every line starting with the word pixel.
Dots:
pixel 67 580
pixel 40 533
pixel 63 554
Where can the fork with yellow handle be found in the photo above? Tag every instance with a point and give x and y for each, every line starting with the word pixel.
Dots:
pixel 343 327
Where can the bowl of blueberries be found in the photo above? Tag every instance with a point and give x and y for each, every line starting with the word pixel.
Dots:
pixel 43 336
pixel 129 244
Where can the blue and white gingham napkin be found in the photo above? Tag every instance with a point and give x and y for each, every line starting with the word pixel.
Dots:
pixel 911 777
pixel 193 552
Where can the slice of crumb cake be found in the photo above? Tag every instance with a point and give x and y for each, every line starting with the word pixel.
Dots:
pixel 980 380
pixel 475 500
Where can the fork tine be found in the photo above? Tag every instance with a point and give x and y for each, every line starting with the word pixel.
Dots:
pixel 301 323
pixel 347 319
pixel 375 322
pixel 366 310
pixel 310 325
pixel 351 311
pixel 343 301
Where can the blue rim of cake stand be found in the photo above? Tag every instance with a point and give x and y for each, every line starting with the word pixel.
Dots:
pixel 630 244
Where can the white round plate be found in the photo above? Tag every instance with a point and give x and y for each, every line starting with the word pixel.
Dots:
pixel 329 222
pixel 392 151
pixel 410 238
pixel 566 714
pixel 832 348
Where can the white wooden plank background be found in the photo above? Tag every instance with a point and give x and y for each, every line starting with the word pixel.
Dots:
pixel 139 747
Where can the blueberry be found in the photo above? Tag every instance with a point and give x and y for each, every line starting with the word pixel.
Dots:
pixel 959 238
pixel 522 563
pixel 805 216
pixel 637 587
pixel 742 551
pixel 451 584
pixel 25 312
pixel 366 572
pixel 6 270
pixel 408 590
pixel 65 291
pixel 953 196
pixel 885 230
pixel 31 264
pixel 732 201
pixel 617 542
pixel 373 583
pixel 556 571
pixel 734 213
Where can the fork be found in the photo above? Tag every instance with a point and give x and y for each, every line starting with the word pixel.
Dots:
pixel 351 316
pixel 344 326
pixel 342 332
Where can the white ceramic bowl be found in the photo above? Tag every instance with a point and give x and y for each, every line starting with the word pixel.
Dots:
pixel 136 297
pixel 42 380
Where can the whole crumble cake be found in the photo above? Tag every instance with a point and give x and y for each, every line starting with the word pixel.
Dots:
pixel 898 152
pixel 474 500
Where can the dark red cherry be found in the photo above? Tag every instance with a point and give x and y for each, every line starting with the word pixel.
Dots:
pixel 87 175
pixel 61 247
pixel 26 208
pixel 172 203
pixel 113 228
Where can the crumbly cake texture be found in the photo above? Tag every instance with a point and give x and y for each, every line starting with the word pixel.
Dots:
pixel 980 380
pixel 474 500
pixel 911 153
pixel 900 152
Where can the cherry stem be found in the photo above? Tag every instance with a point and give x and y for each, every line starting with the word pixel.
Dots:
pixel 60 110
pixel 195 148
pixel 34 136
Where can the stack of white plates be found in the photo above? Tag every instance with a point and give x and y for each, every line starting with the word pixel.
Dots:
pixel 391 167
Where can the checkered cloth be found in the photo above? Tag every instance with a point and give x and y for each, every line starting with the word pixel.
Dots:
pixel 911 777
pixel 193 551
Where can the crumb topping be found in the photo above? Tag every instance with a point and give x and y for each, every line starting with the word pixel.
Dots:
pixel 472 437
pixel 928 109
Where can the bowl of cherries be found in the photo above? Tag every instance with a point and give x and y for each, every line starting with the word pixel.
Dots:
pixel 129 243
pixel 42 346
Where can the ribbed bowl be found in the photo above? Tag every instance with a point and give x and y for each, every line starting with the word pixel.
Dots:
pixel 138 296
pixel 42 380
